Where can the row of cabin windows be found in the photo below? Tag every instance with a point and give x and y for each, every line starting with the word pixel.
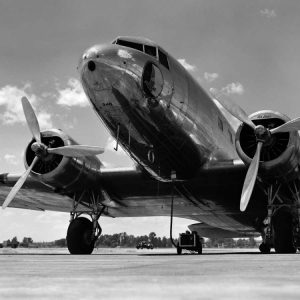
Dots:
pixel 220 124
pixel 150 50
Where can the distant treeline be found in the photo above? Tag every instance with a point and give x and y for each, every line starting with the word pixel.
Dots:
pixel 130 241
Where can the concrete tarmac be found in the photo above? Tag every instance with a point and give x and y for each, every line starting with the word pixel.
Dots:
pixel 146 274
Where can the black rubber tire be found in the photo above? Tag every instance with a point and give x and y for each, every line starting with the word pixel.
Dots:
pixel 79 236
pixel 264 248
pixel 283 232
pixel 179 250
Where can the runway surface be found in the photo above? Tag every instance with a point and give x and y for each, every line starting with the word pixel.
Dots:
pixel 146 274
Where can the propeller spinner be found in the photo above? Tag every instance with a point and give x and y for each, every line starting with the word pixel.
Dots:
pixel 41 150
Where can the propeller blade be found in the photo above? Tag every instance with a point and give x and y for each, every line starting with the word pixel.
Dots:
pixel 234 109
pixel 289 126
pixel 76 150
pixel 31 119
pixel 250 178
pixel 18 185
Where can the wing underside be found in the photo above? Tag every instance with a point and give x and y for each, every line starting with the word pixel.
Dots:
pixel 212 197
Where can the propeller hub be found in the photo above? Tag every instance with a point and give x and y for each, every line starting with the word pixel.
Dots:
pixel 39 149
pixel 262 134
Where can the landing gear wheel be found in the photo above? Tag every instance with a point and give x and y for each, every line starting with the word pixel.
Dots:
pixel 264 248
pixel 79 236
pixel 179 250
pixel 283 232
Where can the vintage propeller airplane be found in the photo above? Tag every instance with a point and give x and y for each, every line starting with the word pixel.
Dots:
pixel 189 159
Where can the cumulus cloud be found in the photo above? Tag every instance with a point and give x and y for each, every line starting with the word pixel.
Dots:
pixel 44 120
pixel 72 95
pixel 10 100
pixel 233 88
pixel 210 77
pixel 186 65
pixel 214 92
pixel 269 13
pixel 11 159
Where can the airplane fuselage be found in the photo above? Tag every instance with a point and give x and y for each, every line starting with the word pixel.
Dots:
pixel 154 108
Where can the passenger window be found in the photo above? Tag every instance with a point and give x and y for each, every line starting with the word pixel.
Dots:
pixel 150 50
pixel 130 45
pixel 163 59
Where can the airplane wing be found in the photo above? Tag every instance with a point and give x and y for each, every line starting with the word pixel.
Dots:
pixel 33 195
pixel 132 192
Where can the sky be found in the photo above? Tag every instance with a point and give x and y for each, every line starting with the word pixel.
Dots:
pixel 246 49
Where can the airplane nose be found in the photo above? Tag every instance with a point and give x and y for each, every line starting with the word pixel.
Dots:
pixel 101 67
pixel 99 75
pixel 91 66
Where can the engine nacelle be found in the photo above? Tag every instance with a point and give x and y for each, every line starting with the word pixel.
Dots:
pixel 65 174
pixel 279 156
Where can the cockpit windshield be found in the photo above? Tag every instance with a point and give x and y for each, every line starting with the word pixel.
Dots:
pixel 130 44
pixel 148 49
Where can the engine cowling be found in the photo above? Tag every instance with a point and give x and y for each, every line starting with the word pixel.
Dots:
pixel 65 174
pixel 279 156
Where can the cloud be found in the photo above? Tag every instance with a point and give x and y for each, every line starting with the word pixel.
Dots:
pixel 269 13
pixel 214 92
pixel 11 159
pixel 45 121
pixel 186 65
pixel 210 77
pixel 10 99
pixel 233 88
pixel 72 95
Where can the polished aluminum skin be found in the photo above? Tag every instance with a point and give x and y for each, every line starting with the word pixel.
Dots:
pixel 176 128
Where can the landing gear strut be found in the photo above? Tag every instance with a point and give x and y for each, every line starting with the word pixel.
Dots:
pixel 282 225
pixel 83 233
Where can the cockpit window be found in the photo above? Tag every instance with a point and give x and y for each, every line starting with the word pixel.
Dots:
pixel 130 45
pixel 150 50
pixel 163 59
